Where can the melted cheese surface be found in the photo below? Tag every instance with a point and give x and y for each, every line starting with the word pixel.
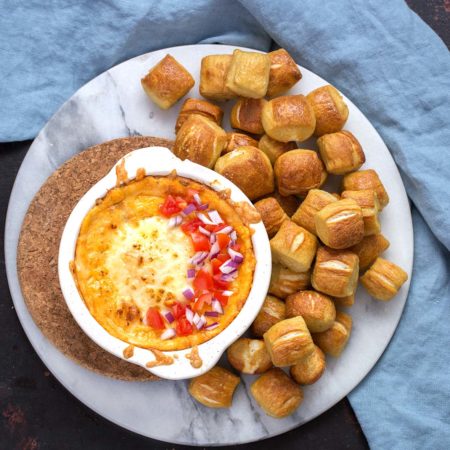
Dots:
pixel 148 262
pixel 128 259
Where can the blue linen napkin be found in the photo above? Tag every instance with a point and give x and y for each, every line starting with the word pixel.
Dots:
pixel 380 54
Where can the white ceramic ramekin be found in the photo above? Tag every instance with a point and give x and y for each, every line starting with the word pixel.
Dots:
pixel 161 161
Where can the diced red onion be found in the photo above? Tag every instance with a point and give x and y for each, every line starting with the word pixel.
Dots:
pixel 228 266
pixel 236 256
pixel 226 230
pixel 169 317
pixel 174 221
pixel 189 209
pixel 190 273
pixel 197 199
pixel 228 276
pixel 212 238
pixel 204 231
pixel 188 293
pixel 168 334
pixel 233 236
pixel 202 207
pixel 217 306
pixel 196 319
pixel 215 249
pixel 198 258
pixel 189 315
pixel 227 293
pixel 204 219
pixel 201 323
pixel 215 217
pixel 211 314
pixel 212 326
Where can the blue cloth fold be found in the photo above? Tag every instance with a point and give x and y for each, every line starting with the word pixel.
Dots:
pixel 380 54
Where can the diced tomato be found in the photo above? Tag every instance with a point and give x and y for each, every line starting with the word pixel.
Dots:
pixel 200 242
pixel 178 310
pixel 169 207
pixel 203 281
pixel 220 284
pixel 181 202
pixel 215 264
pixel 223 240
pixel 197 306
pixel 222 298
pixel 206 298
pixel 219 227
pixel 202 300
pixel 236 247
pixel 183 328
pixel 223 257
pixel 218 261
pixel 215 228
pixel 154 319
pixel 191 226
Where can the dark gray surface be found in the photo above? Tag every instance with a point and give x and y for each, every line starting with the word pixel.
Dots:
pixel 38 413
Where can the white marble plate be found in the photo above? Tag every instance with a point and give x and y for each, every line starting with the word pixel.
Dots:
pixel 113 105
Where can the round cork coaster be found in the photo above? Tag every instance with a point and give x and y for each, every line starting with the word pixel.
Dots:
pixel 37 255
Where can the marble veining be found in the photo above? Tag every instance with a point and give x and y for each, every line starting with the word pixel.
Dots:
pixel 113 105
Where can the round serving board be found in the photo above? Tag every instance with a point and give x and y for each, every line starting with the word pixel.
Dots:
pixel 114 105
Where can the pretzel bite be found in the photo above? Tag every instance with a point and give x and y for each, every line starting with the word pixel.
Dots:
pixel 335 272
pixel 284 282
pixel 368 201
pixel 288 341
pixel 284 73
pixel 214 388
pixel 317 309
pixel 309 369
pixel 288 202
pixel 369 249
pixel 200 140
pixel 329 108
pixel 248 168
pixel 249 356
pixel 246 115
pixel 344 301
pixel 334 340
pixel 276 393
pixel 341 152
pixel 236 140
pixel 248 74
pixel 340 224
pixel 384 279
pixel 273 311
pixel 167 82
pixel 297 172
pixel 293 247
pixel 313 203
pixel 273 149
pixel 366 179
pixel 200 107
pixel 272 214
pixel 288 118
pixel 213 74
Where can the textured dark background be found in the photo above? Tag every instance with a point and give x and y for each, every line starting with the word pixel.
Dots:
pixel 38 413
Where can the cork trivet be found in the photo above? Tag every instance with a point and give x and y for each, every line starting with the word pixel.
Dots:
pixel 38 255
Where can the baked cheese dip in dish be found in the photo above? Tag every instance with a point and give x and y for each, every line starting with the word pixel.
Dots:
pixel 164 263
